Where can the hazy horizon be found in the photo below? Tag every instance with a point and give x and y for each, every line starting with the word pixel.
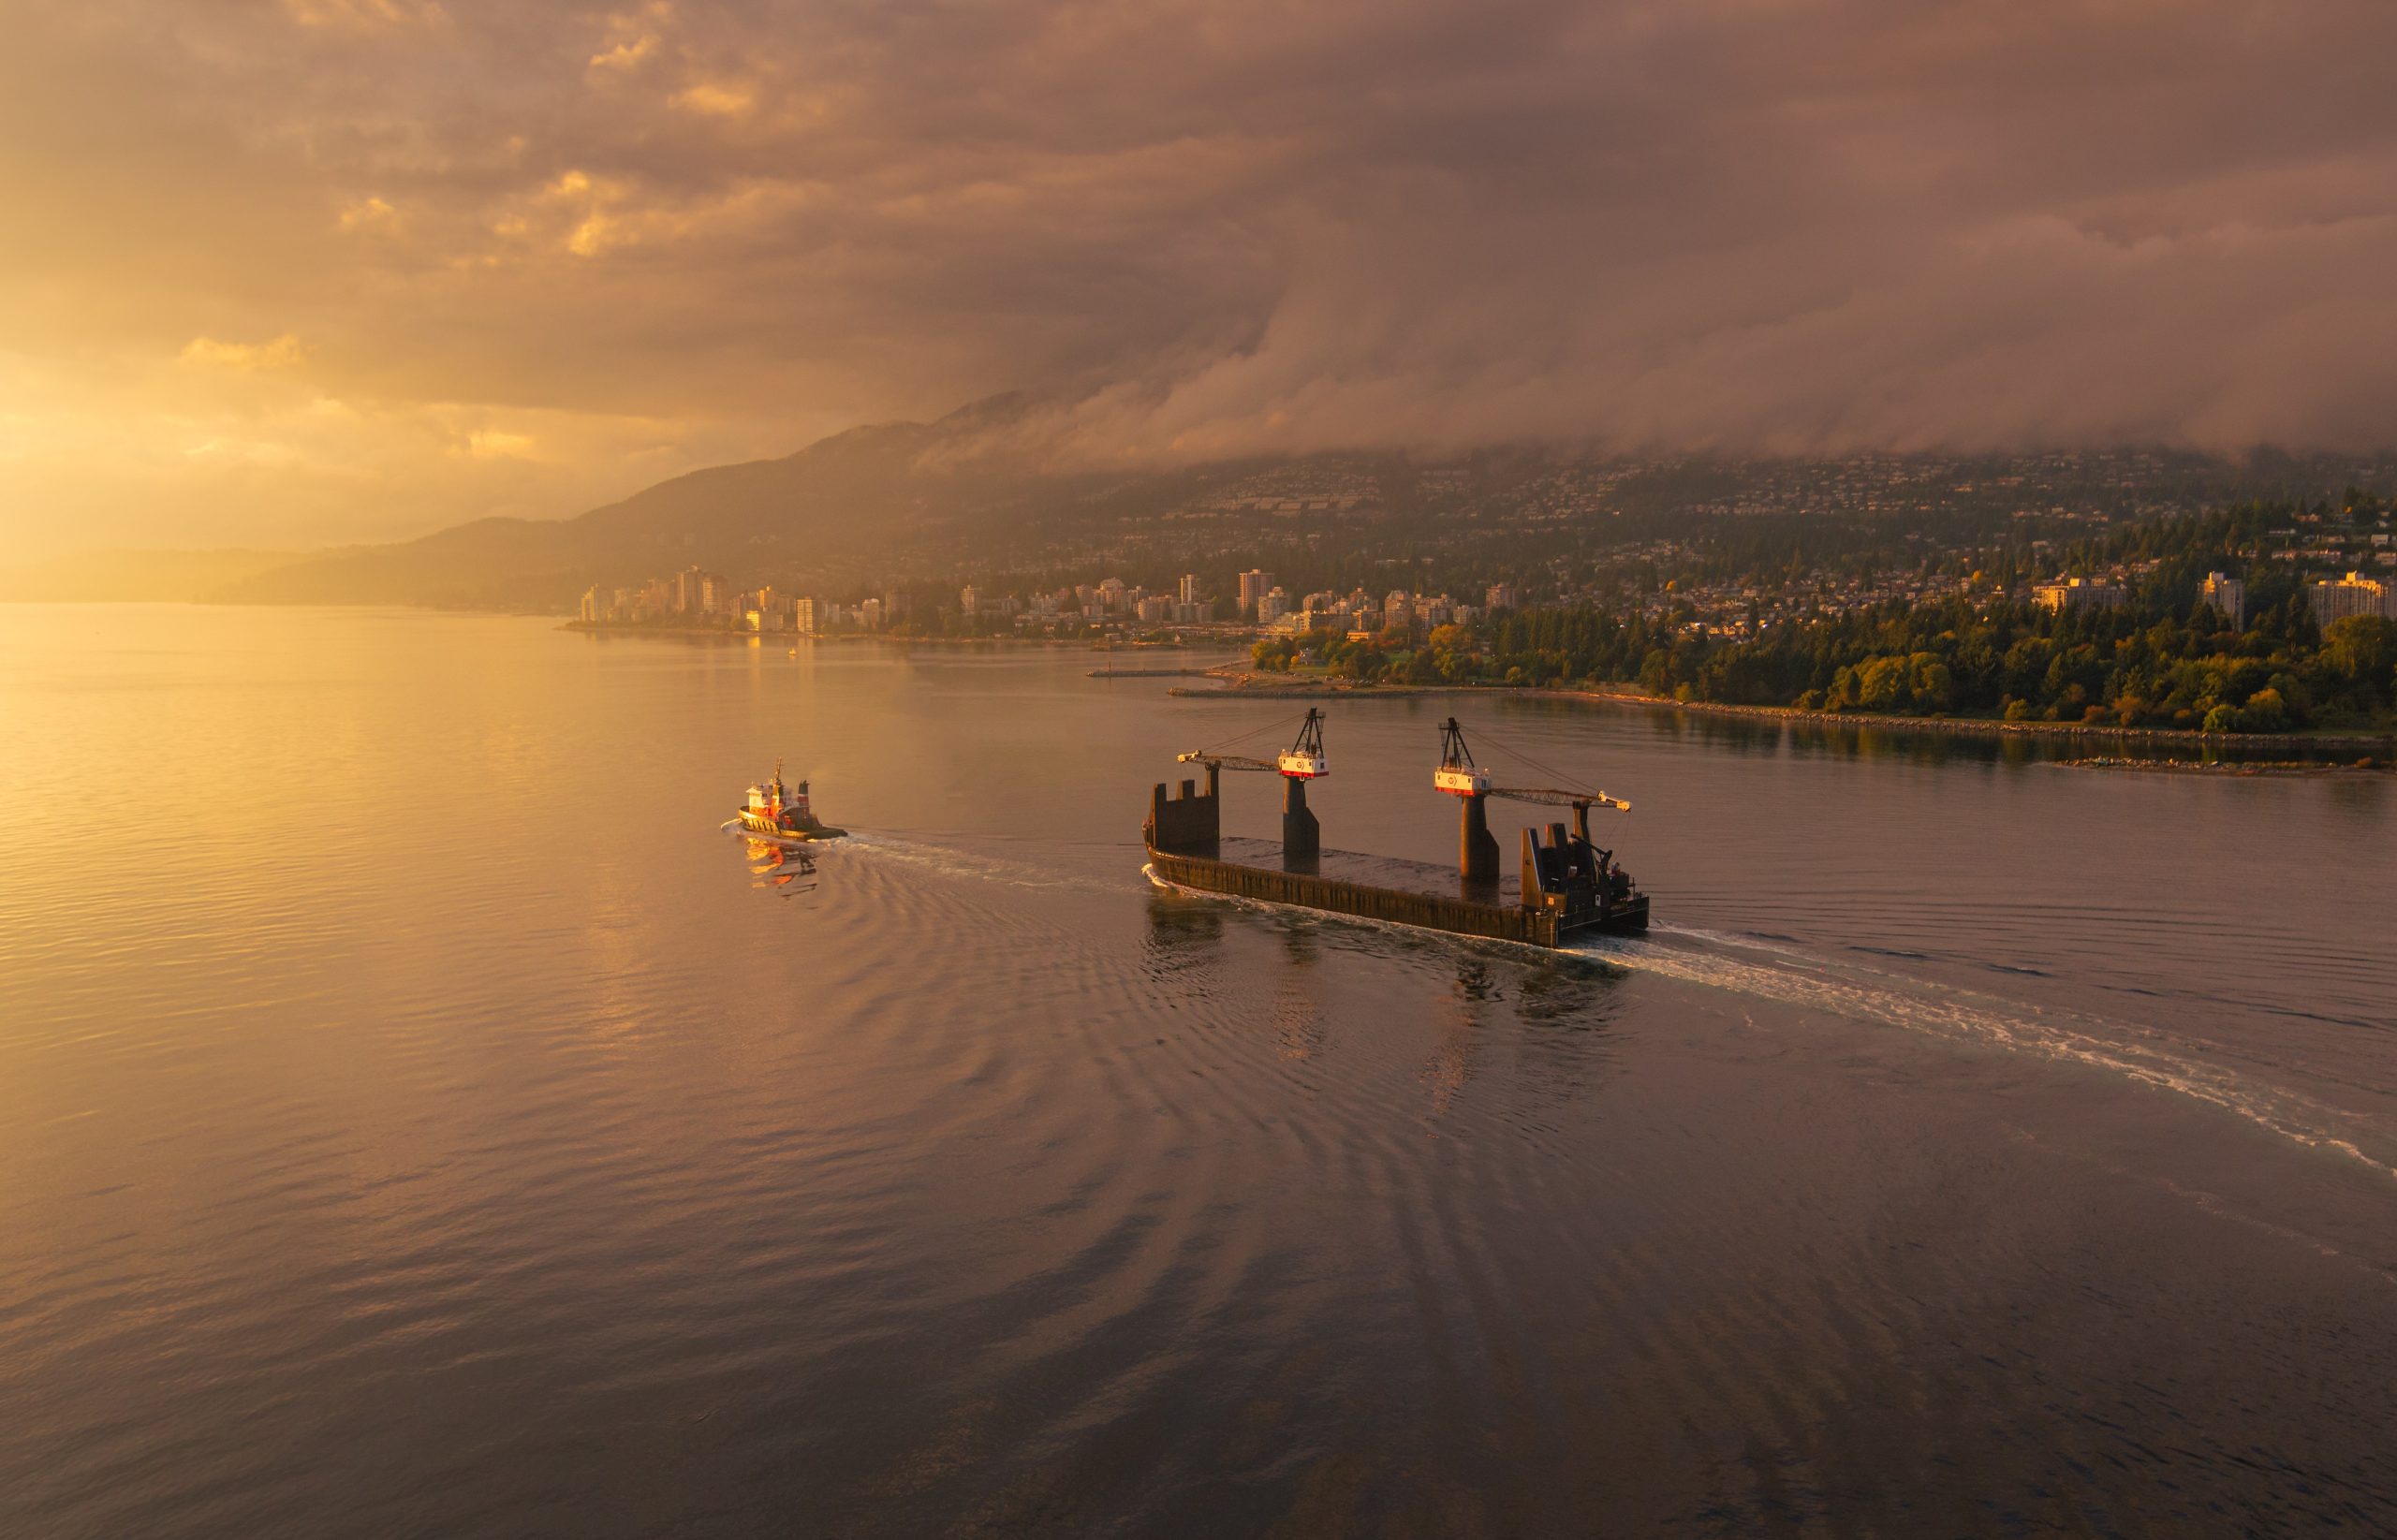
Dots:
pixel 317 271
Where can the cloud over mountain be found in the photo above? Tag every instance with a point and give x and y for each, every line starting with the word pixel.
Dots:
pixel 625 241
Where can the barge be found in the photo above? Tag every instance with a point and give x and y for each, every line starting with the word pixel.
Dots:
pixel 1565 885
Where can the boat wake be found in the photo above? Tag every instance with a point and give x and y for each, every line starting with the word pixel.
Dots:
pixel 1790 976
pixel 964 863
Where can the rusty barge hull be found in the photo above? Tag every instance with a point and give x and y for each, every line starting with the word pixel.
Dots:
pixel 1458 915
pixel 1188 850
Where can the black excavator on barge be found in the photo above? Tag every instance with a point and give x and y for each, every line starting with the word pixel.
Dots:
pixel 1566 884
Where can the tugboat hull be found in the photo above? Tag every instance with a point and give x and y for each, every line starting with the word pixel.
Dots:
pixel 761 829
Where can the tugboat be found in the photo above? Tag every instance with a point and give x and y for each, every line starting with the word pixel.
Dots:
pixel 778 813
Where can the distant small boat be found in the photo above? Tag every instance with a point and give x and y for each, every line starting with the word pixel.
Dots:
pixel 777 812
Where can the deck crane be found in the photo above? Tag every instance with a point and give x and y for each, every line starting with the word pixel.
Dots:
pixel 1461 778
pixel 1302 835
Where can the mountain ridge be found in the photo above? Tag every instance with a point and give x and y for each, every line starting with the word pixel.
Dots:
pixel 831 507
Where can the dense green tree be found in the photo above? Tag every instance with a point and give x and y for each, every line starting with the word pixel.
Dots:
pixel 2163 659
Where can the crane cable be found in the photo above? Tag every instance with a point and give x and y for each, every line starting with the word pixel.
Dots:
pixel 1514 752
pixel 1258 732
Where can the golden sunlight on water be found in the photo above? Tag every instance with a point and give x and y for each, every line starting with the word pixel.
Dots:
pixel 417 1115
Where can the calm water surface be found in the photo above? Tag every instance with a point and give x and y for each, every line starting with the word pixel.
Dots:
pixel 417 1118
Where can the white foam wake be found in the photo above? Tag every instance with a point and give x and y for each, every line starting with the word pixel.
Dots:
pixel 1810 984
pixel 962 863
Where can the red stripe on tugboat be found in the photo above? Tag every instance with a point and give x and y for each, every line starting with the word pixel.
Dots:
pixel 778 811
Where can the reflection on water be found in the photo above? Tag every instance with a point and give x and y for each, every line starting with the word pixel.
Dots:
pixel 1932 745
pixel 1968 1151
pixel 787 869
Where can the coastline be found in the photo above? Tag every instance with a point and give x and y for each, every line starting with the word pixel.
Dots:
pixel 2382 746
pixel 792 638
pixel 2242 767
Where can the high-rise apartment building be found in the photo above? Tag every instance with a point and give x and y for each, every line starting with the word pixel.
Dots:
pixel 2227 594
pixel 2076 594
pixel 2353 594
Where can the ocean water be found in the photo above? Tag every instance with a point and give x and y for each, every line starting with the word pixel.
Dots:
pixel 418 1117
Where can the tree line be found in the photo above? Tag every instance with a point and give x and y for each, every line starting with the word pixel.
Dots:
pixel 2163 657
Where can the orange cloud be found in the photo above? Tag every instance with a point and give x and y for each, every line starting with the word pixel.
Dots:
pixel 364 13
pixel 208 353
pixel 368 214
pixel 717 99
pixel 494 443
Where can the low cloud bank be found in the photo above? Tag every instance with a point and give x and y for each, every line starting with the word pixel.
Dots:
pixel 1776 225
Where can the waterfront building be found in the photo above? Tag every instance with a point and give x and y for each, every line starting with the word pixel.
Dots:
pixel 2353 594
pixel 1273 604
pixel 1156 609
pixel 1187 592
pixel 969 601
pixel 2077 594
pixel 589 614
pixel 2228 597
pixel 870 615
pixel 1253 586
pixel 690 590
pixel 803 617
pixel 766 610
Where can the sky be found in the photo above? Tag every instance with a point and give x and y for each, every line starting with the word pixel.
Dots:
pixel 296 273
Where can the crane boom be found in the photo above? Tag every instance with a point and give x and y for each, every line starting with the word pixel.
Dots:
pixel 1459 776
pixel 1225 761
pixel 1555 798
pixel 1304 762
